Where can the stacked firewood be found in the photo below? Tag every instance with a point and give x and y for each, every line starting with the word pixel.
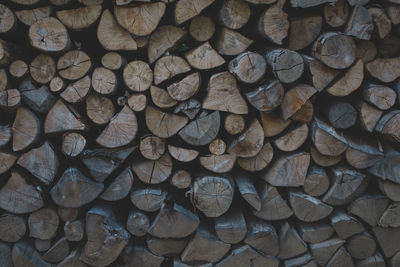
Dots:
pixel 224 133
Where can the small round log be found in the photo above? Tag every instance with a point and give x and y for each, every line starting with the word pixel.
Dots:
pixel 73 144
pixel 248 67
pixel 18 69
pixel 137 76
pixel 341 115
pixel 12 227
pixel 43 224
pixel 99 109
pixel 337 13
pixel 286 65
pixel 153 171
pixel 181 179
pixel 112 61
pixel 137 102
pixel 57 85
pixel 234 124
pixel 152 147
pixel 316 182
pixel 274 24
pixel 138 223
pixel 73 65
pixel 42 69
pixel 201 28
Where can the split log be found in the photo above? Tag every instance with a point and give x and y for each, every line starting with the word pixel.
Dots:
pixel 350 82
pixel 138 223
pixel 79 18
pixel 248 67
pixel 248 190
pixel 18 197
pixel 380 96
pixel 234 14
pixel 77 91
pixel 345 225
pixel 259 161
pixel 315 232
pixel 153 171
pixel 387 239
pixel 174 222
pixel 382 22
pixel 273 124
pixel 43 224
pixel 231 227
pixel 336 13
pixel 119 187
pixel 190 108
pixel 201 131
pixel 5 135
pixel 386 168
pixel 168 67
pixel 388 125
pixel 49 35
pixel 213 195
pixel 316 182
pixel 335 50
pixel 18 69
pixel 137 102
pixel 218 163
pixel 393 12
pixel 262 236
pixel 234 124
pixel 303 31
pixel 99 109
pixel 232 43
pixel 346 185
pixel 42 245
pixel 185 88
pixel 12 227
pixel 106 237
pixel 325 143
pixel 182 154
pixel 67 214
pixel 42 69
pixel 286 65
pixel 152 147
pixel 148 199
pixel 292 139
pixel 273 24
pixel 384 69
pixel 375 260
pixel 73 144
pixel 142 19
pixel 201 28
pixel 187 9
pixel 25 129
pixel 323 251
pixel 266 97
pixel 30 16
pixel 369 208
pixel 74 231
pixel 361 246
pixel 295 98
pixel 249 143
pixel 164 124
pixel 390 189
pixel 366 50
pixel 204 57
pixel 104 81
pixel 246 256
pixel 305 114
pixel 290 243
pixel 121 130
pixel 340 257
pixel 319 74
pixel 181 179
pixel 112 36
pixel 74 189
pixel 7 161
pixel 308 208
pixel 360 23
pixel 273 206
pixel 288 170
pixel 368 115
pixel 164 39
pixel 166 247
pixel 10 99
pixel 341 115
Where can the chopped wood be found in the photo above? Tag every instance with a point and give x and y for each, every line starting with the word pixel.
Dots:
pixel 153 171
pixel 316 182
pixel 336 13
pixel 77 91
pixel 43 224
pixel 341 256
pixel 167 246
pixel 73 65
pixel 380 96
pixel 345 225
pixel 201 131
pixel 75 230
pixel 182 154
pixel 201 28
pixel 273 124
pixel 119 187
pixel 315 232
pixel 138 223
pixel 234 124
pixel 290 242
pixel 185 88
pixel 12 227
pixel 168 67
pixel 350 82
pixel 248 67
pixel 10 99
pixel 249 143
pixel 246 256
pixel 18 69
pixel 306 3
pixel 360 23
pixel 384 69
pixel 99 109
pixel 25 129
pixel 187 9
pixel 292 139
pixel 79 18
pixel 369 208
pixel 323 251
pixel 30 16
pixel 204 57
pixel 286 65
pixel 303 31
pixel 361 246
pixel 259 161
pixel 262 236
pixel 295 98
pixel 181 179
pixel 274 24
pixel 148 199
pixel 232 43
pixel 308 208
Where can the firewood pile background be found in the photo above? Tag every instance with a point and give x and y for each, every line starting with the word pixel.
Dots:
pixel 248 133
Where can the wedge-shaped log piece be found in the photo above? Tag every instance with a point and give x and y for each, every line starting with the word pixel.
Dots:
pixel 249 143
pixel 148 199
pixel 231 43
pixel 201 131
pixel 245 256
pixel 25 129
pixel 346 185
pixel 267 97
pixel 390 189
pixel 74 189
pixel 315 232
pixel 30 16
pixel 7 161
pixel 58 251
pixel 391 216
pixel 388 240
pixel 168 67
pixel 138 223
pixel 248 67
pixel 112 36
pixel 384 69
pixel 77 91
pixel 62 118
pixel 100 109
pixel 204 57
pixel 308 208
pixel 273 124
pixel 164 38
pixel 259 161
pixel 106 238
pixel 350 82
pixel 190 108
pixel 12 228
pixel 161 98
pixel 340 258
pixel 325 139
pixel 42 162
pixel 204 247
pixel 187 9
pixel 290 242
pixel 318 73
pixel 361 246
pixel 18 197
pixel 120 131
pixel 140 20
pixel 80 18
pixel 120 187
pixel 247 189
pixel 185 88
pixel 218 163
pixel 323 251
pixel 273 24
pixel 231 227
pixel 273 206
pixel 102 162
pixel 317 181
pixel 344 224
pixel 153 171
pixel 213 195
pixel 360 24
pixel 262 236
pixel 166 246
pixel 295 98
pixel 303 31
pixel 288 170
pixel 174 222
pixel 369 208
pixel 292 139
pixel 164 124
pixel 182 154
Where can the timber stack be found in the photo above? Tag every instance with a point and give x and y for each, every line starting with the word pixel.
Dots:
pixel 182 133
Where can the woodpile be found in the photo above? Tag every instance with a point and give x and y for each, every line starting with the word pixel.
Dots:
pixel 225 133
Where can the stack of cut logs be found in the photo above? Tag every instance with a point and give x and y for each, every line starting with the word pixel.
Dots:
pixel 227 133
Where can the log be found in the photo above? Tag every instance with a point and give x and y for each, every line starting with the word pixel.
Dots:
pixel 234 14
pixel 42 68
pixel 30 16
pixel 137 76
pixel 384 69
pixel 380 96
pixel 12 228
pixel 325 143
pixel 166 247
pixel 148 199
pixel 73 144
pixel 104 81
pixel 218 163
pixel 286 65
pixel 350 82
pixel 231 227
pixel 305 114
pixel 188 9
pixel 262 236
pixel 295 98
pixel 387 240
pixel 190 108
pixel 164 39
pixel 249 143
pixel 315 232
pixel 57 84
pixel 72 260
pixel 113 61
pixel 387 125
pixel 341 115
pixel 119 188
pixel 153 171
pixel 67 214
pixel 319 75
pixel 164 124
pixel 182 154
pixel 77 91
pixel 18 69
pixel 5 135
pixel 106 237
pixel 181 179
pixel 336 13
pixel 361 246
pixel 335 50
pixel 393 12
pixel 366 50
pixel 325 250
pixel 10 99
pixel 74 189
pixel 79 18
pixel 273 24
pixel 42 245
pixel 74 231
pixel 248 190
pixel 38 99
pixel 231 43
pixel 174 222
pixel 212 194
pixel 152 147
pixel 43 224
pixel 248 67
pixel 316 182
pixel 266 97
pixel 369 208
pixel 49 35
pixel 217 147
pixel 381 21
pixel 360 23
pixel 25 129
pixel 140 20
pixel 234 123
pixel 19 197
pixel 290 242
pixel 389 189
pixel 375 260
pixel 368 115
pixel 303 31
pixel 345 225
pixel 305 259
pixel 137 223
pixel 185 88
pixel 308 208
pixel 201 28
pixel 23 254
pixel 341 256
pixel 204 57
pixel 202 130
pixel 292 139
pixel 112 36
pixel 137 102
pixel 273 124
pixel 168 67
pixel 99 109
pixel 259 161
